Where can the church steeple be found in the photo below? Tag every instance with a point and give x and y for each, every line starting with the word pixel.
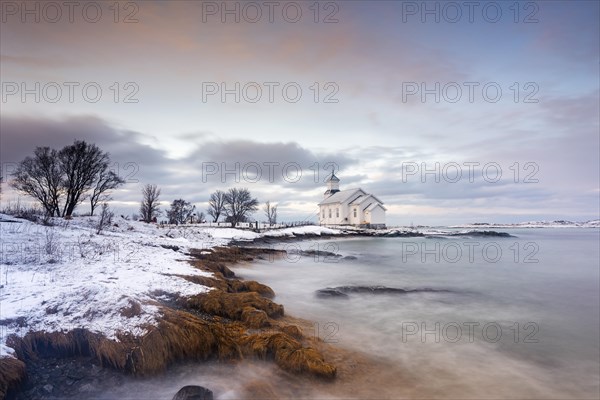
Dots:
pixel 333 184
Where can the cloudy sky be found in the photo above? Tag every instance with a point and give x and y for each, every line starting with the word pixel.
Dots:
pixel 449 112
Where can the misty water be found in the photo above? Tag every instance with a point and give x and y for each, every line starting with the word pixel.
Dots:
pixel 518 317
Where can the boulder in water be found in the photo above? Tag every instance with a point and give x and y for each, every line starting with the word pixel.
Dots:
pixel 331 293
pixel 342 291
pixel 192 392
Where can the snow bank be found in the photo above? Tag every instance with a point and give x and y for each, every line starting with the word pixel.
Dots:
pixel 66 276
pixel 302 230
pixel 57 278
pixel 231 233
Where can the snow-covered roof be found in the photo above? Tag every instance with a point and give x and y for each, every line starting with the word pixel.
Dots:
pixel 361 200
pixel 372 206
pixel 341 196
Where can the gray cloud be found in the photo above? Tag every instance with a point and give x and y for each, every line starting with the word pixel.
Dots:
pixel 378 169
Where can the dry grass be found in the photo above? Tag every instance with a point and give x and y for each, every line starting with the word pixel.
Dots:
pixel 251 286
pixel 44 344
pixel 231 285
pixel 133 310
pixel 288 354
pixel 206 281
pixel 292 330
pixel 231 305
pixel 254 318
pixel 12 374
pixel 179 335
pixel 216 259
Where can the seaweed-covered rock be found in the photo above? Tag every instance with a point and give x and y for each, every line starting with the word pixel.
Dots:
pixel 292 330
pixel 289 354
pixel 231 305
pixel 254 318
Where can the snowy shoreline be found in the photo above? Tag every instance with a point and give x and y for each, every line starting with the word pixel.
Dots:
pixel 48 271
pixel 65 277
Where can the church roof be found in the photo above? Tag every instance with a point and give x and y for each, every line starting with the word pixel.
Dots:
pixel 374 205
pixel 355 196
pixel 333 178
pixel 360 200
pixel 341 196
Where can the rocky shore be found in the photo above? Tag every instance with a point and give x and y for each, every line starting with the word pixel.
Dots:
pixel 267 240
pixel 215 317
pixel 236 320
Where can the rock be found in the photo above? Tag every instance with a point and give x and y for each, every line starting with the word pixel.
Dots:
pixel 95 370
pixel 483 234
pixel 342 291
pixel 86 388
pixel 75 374
pixel 396 233
pixel 315 253
pixel 48 388
pixel 331 292
pixel 193 393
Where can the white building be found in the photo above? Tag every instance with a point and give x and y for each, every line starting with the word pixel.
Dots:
pixel 350 207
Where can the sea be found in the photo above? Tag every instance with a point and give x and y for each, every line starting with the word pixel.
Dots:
pixel 455 315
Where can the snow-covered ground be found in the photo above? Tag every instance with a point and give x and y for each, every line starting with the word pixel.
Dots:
pixel 66 276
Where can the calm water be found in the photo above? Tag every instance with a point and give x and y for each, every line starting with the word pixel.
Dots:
pixel 519 319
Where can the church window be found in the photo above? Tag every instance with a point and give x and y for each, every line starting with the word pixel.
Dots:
pixel 330 213
pixel 355 213
pixel 337 212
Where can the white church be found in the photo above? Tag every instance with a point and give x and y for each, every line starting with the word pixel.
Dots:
pixel 350 206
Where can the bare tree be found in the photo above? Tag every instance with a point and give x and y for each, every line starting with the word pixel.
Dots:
pixel 180 212
pixel 106 180
pixel 271 212
pixel 201 217
pixel 238 204
pixel 51 176
pixel 150 203
pixel 40 177
pixel 216 205
pixel 81 163
pixel 106 217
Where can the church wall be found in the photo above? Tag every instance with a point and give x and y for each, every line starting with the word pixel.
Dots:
pixel 377 216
